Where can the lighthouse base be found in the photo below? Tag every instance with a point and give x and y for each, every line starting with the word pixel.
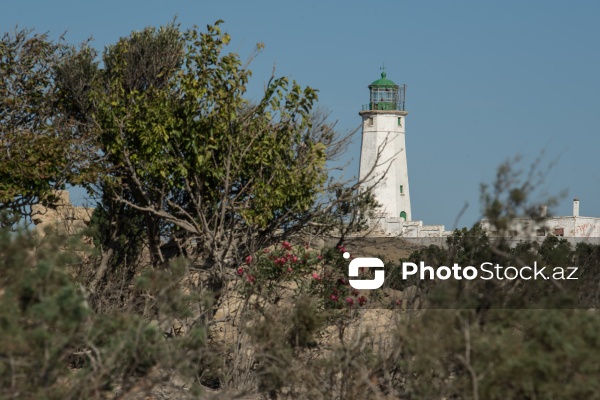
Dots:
pixel 395 226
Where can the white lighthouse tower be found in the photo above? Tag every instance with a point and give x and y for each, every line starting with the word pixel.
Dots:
pixel 383 151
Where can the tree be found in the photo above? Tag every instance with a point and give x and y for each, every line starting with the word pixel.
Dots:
pixel 42 149
pixel 214 175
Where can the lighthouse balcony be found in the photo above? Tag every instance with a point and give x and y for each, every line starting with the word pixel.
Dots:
pixel 383 106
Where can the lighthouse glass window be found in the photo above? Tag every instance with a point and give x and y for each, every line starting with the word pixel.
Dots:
pixel 384 95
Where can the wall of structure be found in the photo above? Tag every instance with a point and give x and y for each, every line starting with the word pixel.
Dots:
pixel 573 226
pixel 395 226
pixel 577 227
pixel 384 134
pixel 60 215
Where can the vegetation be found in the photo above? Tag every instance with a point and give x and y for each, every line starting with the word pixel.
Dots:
pixel 199 276
pixel 42 147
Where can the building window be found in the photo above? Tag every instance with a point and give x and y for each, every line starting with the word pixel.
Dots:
pixel 401 189
pixel 399 121
pixel 403 215
pixel 370 122
pixel 559 231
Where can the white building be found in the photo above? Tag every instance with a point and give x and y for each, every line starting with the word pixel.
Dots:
pixel 383 161
pixel 573 226
pixel 383 152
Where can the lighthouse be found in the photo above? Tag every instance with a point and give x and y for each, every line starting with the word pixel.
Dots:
pixel 383 150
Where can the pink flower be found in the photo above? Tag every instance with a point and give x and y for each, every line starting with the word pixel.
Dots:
pixel 280 260
pixel 250 278
pixel 290 269
pixel 333 297
pixel 240 271
pixel 294 259
pixel 320 257
pixel 350 301
pixel 266 250
pixel 355 292
pixel 316 276
pixel 341 249
pixel 286 245
pixel 248 259
pixel 362 300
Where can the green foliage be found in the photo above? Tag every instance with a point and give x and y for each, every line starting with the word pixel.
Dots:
pixel 524 354
pixel 119 226
pixel 118 232
pixel 160 130
pixel 185 165
pixel 556 251
pixel 41 315
pixel 189 132
pixel 185 148
pixel 54 346
pixel 511 195
pixel 43 148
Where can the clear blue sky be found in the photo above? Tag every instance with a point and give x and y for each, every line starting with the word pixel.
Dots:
pixel 486 80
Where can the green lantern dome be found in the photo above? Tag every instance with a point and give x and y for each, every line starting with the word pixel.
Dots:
pixel 383 82
pixel 385 95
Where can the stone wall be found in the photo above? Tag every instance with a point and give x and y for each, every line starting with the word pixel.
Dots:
pixel 60 215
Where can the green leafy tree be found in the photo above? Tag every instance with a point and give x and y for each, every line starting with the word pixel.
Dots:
pixel 198 157
pixel 214 175
pixel 42 149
